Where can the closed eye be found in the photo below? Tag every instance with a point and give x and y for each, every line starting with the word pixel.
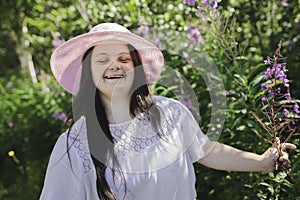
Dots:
pixel 125 60
pixel 102 61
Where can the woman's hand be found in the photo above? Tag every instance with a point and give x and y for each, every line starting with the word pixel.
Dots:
pixel 276 158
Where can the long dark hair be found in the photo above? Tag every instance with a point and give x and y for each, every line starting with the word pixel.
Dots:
pixel 88 103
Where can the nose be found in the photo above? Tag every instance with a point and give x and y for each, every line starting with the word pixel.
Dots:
pixel 114 66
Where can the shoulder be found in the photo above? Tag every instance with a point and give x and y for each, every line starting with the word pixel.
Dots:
pixel 171 105
pixel 71 149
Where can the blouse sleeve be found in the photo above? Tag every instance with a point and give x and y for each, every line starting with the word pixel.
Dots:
pixel 193 134
pixel 62 181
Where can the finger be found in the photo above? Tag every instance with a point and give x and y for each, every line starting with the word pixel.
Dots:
pixel 290 146
pixel 274 154
pixel 284 157
pixel 276 143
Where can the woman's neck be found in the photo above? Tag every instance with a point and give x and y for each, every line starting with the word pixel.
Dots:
pixel 117 109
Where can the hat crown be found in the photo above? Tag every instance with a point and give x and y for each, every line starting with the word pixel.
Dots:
pixel 109 27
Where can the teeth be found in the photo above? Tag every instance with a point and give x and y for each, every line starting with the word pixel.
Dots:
pixel 114 76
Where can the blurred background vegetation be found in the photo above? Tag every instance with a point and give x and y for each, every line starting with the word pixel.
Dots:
pixel 33 105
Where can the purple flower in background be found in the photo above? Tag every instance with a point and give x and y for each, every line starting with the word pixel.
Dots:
pixel 192 61
pixel 157 43
pixel 37 72
pixel 9 85
pixel 293 44
pixel 60 115
pixel 263 86
pixel 190 2
pixel 206 3
pixel 268 73
pixel 287 95
pixel 143 31
pixel 264 98
pixel 286 82
pixel 195 35
pixel 57 42
pixel 284 3
pixel 45 89
pixel 285 111
pixel 187 103
pixel 211 4
pixel 10 124
pixel 267 61
pixel 296 108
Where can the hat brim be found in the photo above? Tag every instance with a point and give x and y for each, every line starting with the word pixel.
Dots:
pixel 66 60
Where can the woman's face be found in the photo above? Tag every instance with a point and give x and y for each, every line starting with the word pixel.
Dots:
pixel 112 69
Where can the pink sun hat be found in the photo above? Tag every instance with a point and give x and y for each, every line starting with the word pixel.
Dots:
pixel 66 60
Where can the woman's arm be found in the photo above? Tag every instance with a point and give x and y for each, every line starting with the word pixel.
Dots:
pixel 223 157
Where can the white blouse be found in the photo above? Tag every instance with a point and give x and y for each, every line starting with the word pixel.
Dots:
pixel 153 167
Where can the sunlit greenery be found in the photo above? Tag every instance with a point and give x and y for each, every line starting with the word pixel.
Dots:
pixel 237 36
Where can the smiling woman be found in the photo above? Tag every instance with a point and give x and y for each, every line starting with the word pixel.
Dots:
pixel 112 70
pixel 125 143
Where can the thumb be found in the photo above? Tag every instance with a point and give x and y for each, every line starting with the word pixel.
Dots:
pixel 290 146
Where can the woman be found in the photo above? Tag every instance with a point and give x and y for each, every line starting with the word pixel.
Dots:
pixel 126 143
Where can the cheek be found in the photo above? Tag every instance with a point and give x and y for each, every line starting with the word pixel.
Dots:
pixel 97 74
pixel 129 68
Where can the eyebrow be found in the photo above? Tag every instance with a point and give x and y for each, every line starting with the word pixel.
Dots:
pixel 119 54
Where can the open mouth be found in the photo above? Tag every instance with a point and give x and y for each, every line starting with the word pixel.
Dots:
pixel 114 76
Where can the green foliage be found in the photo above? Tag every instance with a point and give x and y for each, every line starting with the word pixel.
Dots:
pixel 237 41
pixel 28 130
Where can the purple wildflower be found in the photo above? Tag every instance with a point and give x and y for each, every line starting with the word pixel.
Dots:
pixel 190 2
pixel 296 108
pixel 263 86
pixel 212 4
pixel 287 95
pixel 278 89
pixel 10 124
pixel 293 44
pixel 143 31
pixel 57 42
pixel 227 93
pixel 186 59
pixel 284 67
pixel 187 103
pixel 268 73
pixel 264 98
pixel 45 89
pixel 195 35
pixel 157 43
pixel 206 3
pixel 286 82
pixel 37 72
pixel 284 3
pixel 9 85
pixel 60 115
pixel 191 61
pixel 278 112
pixel 285 112
pixel 280 75
pixel 269 88
pixel 268 61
